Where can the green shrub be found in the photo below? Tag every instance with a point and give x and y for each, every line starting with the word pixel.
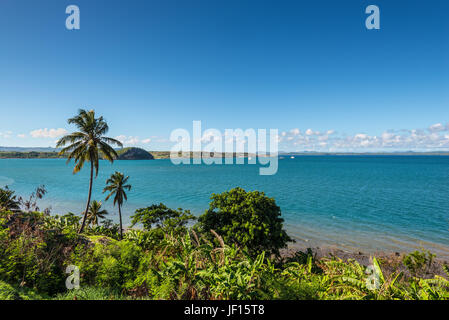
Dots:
pixel 107 228
pixel 145 239
pixel 163 218
pixel 68 223
pixel 8 201
pixel 108 263
pixel 29 256
pixel 237 277
pixel 90 293
pixel 417 262
pixel 8 292
pixel 248 219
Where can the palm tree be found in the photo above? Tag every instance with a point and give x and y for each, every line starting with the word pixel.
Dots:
pixel 8 201
pixel 86 145
pixel 95 212
pixel 116 185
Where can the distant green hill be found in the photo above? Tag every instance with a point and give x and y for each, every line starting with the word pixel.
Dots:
pixel 134 154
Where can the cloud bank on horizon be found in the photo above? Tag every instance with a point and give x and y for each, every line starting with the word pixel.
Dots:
pixel 435 137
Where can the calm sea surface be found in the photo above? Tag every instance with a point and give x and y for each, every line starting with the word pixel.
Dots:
pixel 395 203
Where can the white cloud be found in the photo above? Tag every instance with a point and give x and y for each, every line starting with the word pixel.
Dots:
pixel 433 138
pixel 6 134
pixel 387 136
pixel 132 140
pixel 121 138
pixel 295 131
pixel 361 136
pixel 48 133
pixel 127 140
pixel 437 127
pixel 323 138
pixel 310 132
pixel 21 135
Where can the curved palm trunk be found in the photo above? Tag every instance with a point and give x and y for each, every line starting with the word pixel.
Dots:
pixel 88 198
pixel 120 217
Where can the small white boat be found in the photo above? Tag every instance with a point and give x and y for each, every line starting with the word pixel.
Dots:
pixel 292 157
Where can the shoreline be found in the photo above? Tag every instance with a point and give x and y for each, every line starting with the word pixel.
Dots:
pixel 323 247
pixel 391 261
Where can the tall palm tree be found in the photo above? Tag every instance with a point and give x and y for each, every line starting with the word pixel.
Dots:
pixel 116 185
pixel 95 212
pixel 88 144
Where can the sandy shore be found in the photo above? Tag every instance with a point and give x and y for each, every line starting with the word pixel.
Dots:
pixel 390 261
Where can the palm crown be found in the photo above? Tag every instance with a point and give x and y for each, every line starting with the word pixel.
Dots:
pixel 8 200
pixel 88 142
pixel 116 185
pixel 95 212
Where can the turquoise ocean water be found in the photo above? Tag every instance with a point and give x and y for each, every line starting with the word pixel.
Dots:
pixel 371 203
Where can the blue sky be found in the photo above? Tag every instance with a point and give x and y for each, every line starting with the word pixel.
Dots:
pixel 310 69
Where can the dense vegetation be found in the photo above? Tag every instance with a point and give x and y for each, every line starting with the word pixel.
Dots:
pixel 170 257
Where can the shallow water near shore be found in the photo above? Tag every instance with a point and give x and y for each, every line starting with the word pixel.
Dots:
pixel 368 203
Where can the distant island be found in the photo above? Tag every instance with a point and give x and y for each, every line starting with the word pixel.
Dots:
pixel 134 154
